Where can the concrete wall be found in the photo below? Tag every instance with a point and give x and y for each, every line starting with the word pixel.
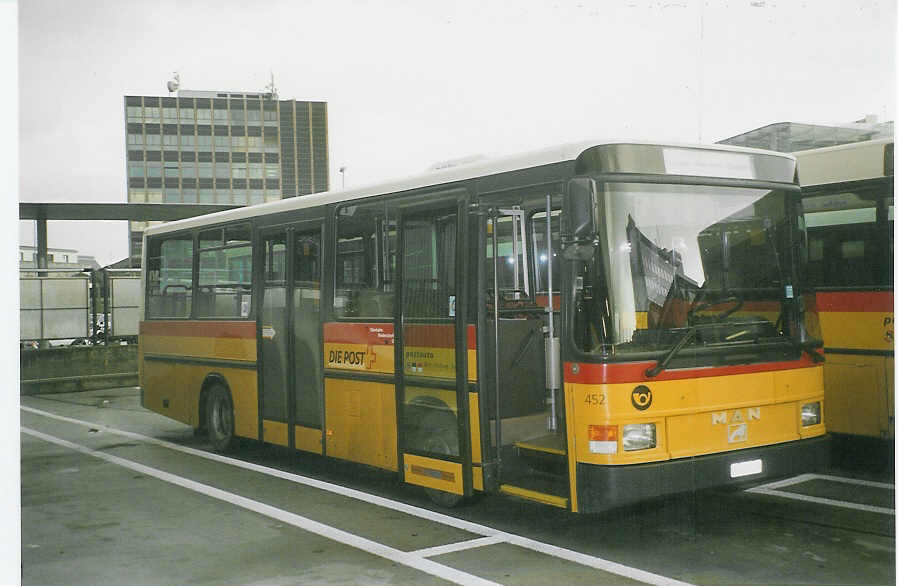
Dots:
pixel 77 368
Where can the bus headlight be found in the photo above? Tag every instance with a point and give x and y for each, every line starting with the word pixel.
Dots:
pixel 810 414
pixel 638 436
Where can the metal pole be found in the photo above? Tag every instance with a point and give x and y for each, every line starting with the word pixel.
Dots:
pixel 552 353
pixel 42 262
pixel 495 218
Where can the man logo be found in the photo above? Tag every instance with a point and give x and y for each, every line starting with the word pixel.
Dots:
pixel 641 397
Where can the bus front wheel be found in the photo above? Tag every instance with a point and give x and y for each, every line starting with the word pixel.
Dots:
pixel 220 419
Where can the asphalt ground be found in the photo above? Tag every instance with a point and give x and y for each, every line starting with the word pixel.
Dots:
pixel 115 494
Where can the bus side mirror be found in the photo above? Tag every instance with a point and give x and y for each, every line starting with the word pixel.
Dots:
pixel 580 221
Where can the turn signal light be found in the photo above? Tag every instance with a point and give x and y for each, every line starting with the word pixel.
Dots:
pixel 603 433
pixel 603 439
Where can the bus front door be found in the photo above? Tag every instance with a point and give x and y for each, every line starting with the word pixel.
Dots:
pixel 433 419
pixel 527 442
pixel 290 337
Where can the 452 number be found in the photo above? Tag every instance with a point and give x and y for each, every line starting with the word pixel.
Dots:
pixel 595 399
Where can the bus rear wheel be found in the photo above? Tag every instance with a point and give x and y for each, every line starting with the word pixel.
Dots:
pixel 220 419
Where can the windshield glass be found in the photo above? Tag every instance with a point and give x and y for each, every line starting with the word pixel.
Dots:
pixel 676 258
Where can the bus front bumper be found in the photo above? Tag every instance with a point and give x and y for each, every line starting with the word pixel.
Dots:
pixel 604 487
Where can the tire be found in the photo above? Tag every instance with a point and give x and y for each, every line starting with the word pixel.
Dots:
pixel 438 441
pixel 220 419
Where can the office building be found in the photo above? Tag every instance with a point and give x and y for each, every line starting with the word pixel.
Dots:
pixel 224 148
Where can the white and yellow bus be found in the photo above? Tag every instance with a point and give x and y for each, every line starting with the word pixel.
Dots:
pixel 849 212
pixel 585 326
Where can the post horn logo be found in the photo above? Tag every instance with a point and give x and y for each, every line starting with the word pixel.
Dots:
pixel 641 397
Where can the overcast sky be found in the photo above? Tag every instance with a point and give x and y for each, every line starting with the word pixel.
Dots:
pixel 409 83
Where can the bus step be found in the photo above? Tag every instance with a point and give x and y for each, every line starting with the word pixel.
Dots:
pixel 533 495
pixel 552 443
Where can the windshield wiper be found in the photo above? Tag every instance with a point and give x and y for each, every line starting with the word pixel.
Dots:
pixel 662 364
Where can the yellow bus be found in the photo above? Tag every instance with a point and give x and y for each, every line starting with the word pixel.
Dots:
pixel 849 213
pixel 584 326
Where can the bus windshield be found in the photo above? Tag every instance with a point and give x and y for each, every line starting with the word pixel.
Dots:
pixel 710 262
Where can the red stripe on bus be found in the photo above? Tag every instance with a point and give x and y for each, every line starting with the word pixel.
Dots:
pixel 855 301
pixel 429 335
pixel 634 372
pixel 200 329
pixel 358 333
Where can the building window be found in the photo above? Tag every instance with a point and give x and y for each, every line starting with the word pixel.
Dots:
pixel 152 113
pixel 188 170
pixel 172 196
pixel 171 169
pixel 154 169
pixel 222 170
pixel 135 139
pixel 256 196
pixel 170 140
pixel 135 169
pixel 220 115
pixel 153 140
pixel 255 170
pixel 186 115
pixel 203 114
pixel 272 171
pixel 207 196
pixel 222 142
pixel 170 113
pixel 135 114
pixel 238 141
pixel 238 170
pixel 188 140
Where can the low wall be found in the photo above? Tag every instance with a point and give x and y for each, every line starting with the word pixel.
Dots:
pixel 77 368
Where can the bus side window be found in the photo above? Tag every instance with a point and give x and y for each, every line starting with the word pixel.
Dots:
pixel 169 277
pixel 224 288
pixel 844 241
pixel 366 261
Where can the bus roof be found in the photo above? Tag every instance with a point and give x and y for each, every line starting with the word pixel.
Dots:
pixel 478 167
pixel 855 161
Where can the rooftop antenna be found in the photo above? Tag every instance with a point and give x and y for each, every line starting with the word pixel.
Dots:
pixel 174 84
pixel 270 89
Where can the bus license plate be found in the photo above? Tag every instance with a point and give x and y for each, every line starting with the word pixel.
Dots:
pixel 747 468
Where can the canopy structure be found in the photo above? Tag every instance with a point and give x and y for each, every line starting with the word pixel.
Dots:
pixel 41 212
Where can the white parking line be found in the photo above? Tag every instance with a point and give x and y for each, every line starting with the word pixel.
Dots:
pixel 524 542
pixel 771 489
pixel 460 546
pixel 411 560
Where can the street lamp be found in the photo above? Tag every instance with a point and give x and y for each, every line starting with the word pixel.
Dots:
pixel 343 176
